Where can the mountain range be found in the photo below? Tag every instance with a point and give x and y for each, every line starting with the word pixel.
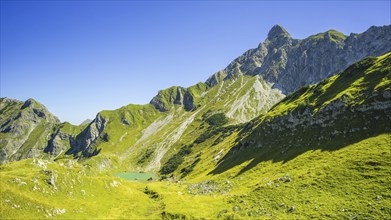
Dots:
pixel 280 131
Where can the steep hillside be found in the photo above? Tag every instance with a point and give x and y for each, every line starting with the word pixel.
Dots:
pixel 25 128
pixel 322 152
pixel 341 110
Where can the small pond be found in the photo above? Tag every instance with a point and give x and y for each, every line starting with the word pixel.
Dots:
pixel 137 176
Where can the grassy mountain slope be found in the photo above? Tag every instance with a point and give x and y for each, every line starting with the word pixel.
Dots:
pixel 322 152
pixel 143 137
pixel 343 109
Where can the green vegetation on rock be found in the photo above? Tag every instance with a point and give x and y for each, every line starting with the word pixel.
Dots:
pixel 218 119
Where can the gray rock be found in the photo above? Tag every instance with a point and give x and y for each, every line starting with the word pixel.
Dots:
pixel 175 95
pixel 236 209
pixel 387 94
pixel 292 209
pixel 86 141
pixel 18 120
pixel 291 63
pixel 51 178
pixel 59 143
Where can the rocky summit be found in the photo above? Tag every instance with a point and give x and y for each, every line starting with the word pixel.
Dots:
pixel 25 128
pixel 290 63
pixel 291 129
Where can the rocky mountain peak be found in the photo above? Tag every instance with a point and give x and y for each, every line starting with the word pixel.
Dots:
pixel 289 63
pixel 38 109
pixel 29 103
pixel 277 31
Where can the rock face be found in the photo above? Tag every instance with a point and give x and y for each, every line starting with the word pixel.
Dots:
pixel 25 129
pixel 28 129
pixel 85 143
pixel 176 95
pixel 283 65
pixel 59 143
pixel 334 112
pixel 170 96
pixel 334 121
pixel 291 63
pixel 82 144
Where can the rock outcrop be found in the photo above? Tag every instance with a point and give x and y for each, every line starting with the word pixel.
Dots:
pixel 86 142
pixel 25 128
pixel 291 63
pixel 176 95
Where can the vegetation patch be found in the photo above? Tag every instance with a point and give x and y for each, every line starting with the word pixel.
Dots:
pixel 218 119
pixel 214 131
pixel 146 156
pixel 185 171
pixel 151 194
pixel 169 216
pixel 173 163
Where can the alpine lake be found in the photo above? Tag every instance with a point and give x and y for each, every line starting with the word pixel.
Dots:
pixel 137 176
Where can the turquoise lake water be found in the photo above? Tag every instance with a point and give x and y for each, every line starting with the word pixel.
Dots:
pixel 137 176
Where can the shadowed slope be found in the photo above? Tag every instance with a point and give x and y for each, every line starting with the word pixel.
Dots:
pixel 339 111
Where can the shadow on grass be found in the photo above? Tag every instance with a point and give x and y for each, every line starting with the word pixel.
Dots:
pixel 325 130
pixel 280 152
pixel 268 143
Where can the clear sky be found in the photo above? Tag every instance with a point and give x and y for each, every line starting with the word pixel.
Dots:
pixel 81 57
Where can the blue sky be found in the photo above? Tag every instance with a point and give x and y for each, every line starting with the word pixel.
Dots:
pixel 79 58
